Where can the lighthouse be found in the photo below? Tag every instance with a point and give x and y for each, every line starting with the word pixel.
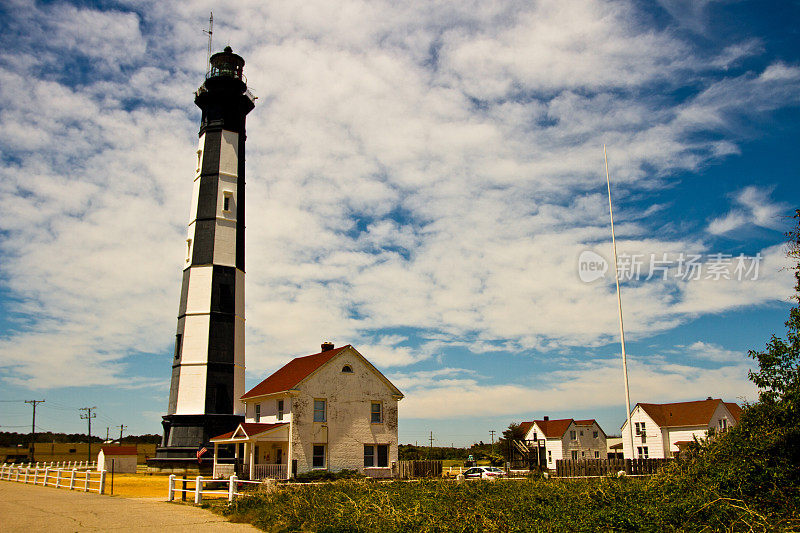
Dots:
pixel 208 360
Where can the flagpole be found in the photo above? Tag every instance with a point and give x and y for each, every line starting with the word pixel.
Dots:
pixel 619 307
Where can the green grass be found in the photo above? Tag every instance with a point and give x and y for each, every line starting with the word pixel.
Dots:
pixel 607 504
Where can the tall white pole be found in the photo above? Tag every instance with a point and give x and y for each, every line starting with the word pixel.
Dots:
pixel 619 306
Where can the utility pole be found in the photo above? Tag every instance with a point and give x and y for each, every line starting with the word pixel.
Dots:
pixel 107 428
pixel 33 425
pixel 492 433
pixel 430 449
pixel 88 417
pixel 121 429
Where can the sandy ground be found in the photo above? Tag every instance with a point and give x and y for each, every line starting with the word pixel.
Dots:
pixel 143 508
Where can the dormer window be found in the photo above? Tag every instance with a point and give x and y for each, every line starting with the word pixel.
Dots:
pixel 347 369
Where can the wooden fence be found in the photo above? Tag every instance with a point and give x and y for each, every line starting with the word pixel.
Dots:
pixel 414 469
pixel 603 467
pixel 60 478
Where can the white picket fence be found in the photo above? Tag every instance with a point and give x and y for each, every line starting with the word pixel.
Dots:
pixel 86 479
pixel 198 484
pixel 66 465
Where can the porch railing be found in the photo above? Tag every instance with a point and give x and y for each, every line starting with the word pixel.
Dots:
pixel 260 471
pixel 269 471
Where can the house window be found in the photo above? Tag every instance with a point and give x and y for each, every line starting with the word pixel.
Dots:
pixel 643 453
pixel 376 455
pixel 369 455
pixel 639 427
pixel 72 450
pixel 594 434
pixel 549 456
pixel 723 424
pixel 347 369
pixel 258 412
pixel 597 455
pixel 534 436
pixel 376 415
pixel 280 410
pixel 319 410
pixel 383 455
pixel 318 460
pixel 572 435
pixel 574 455
pixel 581 433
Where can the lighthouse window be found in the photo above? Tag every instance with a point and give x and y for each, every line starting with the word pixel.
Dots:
pixel 227 201
pixel 199 159
pixel 188 249
pixel 178 339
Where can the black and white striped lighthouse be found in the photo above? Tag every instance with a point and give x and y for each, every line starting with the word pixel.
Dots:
pixel 208 364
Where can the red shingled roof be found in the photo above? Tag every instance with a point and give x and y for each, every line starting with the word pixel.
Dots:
pixel 736 411
pixel 119 450
pixel 554 429
pixel 697 413
pixel 292 373
pixel 525 427
pixel 250 428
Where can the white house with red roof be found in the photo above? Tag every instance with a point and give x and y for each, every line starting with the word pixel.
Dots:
pixel 332 410
pixel 566 439
pixel 660 430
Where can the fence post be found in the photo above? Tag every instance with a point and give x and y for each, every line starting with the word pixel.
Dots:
pixel 232 488
pixel 171 487
pixel 17 476
pixel 46 475
pixel 102 482
pixel 86 481
pixel 58 478
pixel 198 489
pixel 72 480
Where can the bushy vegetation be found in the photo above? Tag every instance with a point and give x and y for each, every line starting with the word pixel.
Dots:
pixel 608 504
pixel 327 475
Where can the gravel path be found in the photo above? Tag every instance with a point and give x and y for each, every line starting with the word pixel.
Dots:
pixel 31 508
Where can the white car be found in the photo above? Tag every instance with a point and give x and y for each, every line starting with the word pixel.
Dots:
pixel 484 472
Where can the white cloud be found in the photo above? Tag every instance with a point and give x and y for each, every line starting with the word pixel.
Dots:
pixel 432 167
pixel 586 385
pixel 753 208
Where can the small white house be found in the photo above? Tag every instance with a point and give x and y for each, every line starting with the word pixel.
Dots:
pixel 661 429
pixel 566 439
pixel 120 459
pixel 331 410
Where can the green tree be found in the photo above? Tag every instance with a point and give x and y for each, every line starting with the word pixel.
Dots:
pixel 778 375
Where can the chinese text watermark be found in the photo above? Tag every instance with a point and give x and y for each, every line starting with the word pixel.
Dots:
pixel 678 266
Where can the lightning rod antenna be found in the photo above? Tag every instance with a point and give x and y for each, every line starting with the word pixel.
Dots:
pixel 210 32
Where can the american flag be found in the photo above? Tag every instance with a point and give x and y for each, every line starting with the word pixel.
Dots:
pixel 200 453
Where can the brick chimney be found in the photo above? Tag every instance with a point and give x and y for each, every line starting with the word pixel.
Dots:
pixel 327 346
pixel 546 418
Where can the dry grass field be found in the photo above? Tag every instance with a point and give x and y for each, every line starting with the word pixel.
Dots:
pixel 138 485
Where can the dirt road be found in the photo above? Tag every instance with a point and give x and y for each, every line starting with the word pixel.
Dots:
pixel 31 508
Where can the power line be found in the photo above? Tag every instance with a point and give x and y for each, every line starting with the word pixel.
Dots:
pixel 88 417
pixel 33 424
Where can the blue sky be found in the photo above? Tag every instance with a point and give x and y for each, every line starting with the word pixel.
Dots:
pixel 422 180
